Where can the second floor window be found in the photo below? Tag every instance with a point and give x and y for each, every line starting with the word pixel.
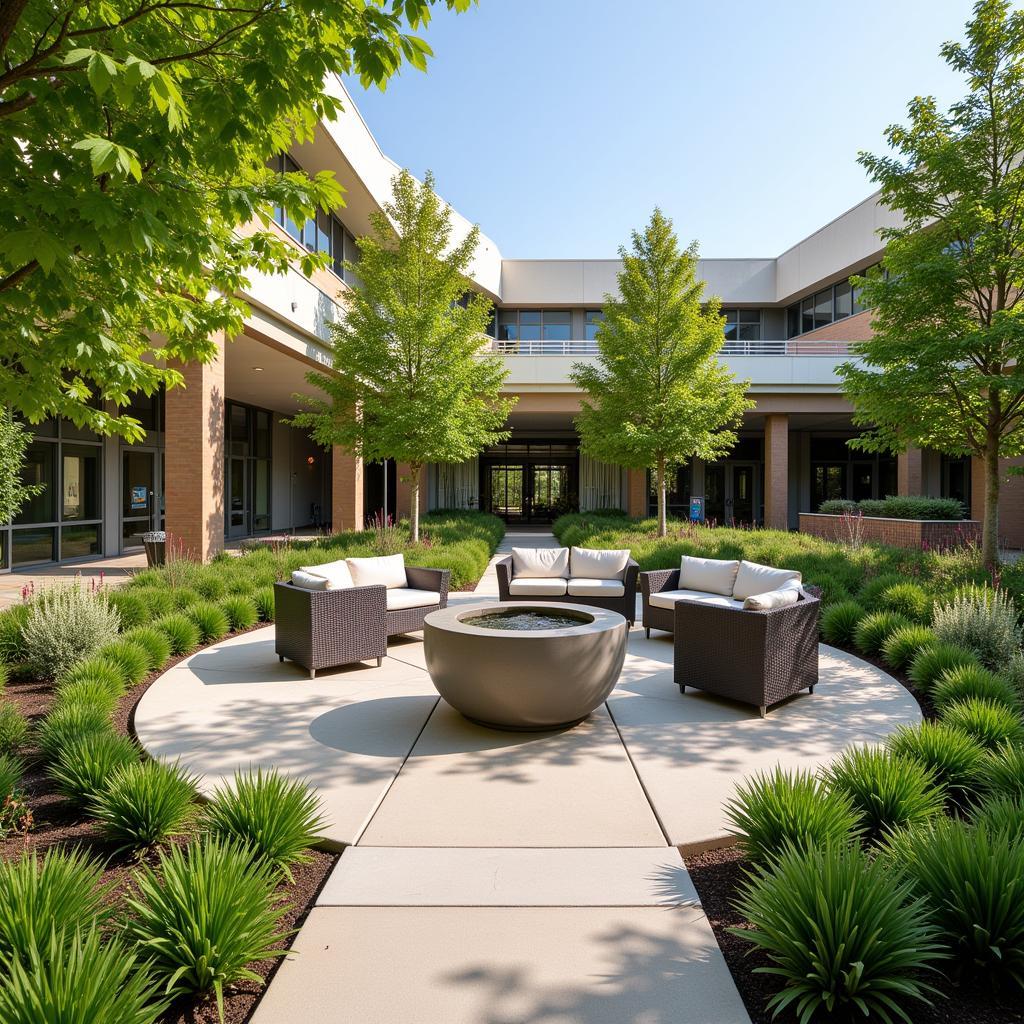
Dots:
pixel 824 307
pixel 742 324
pixel 591 319
pixel 534 325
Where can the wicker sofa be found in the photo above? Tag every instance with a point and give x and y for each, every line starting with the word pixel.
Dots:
pixel 343 612
pixel 743 631
pixel 603 579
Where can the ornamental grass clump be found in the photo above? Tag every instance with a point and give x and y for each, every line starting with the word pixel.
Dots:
pixel 988 721
pixel 1003 772
pixel 65 625
pixel 203 916
pixel 778 809
pixel 901 646
pixel 839 621
pixel 66 724
pixel 871 591
pixel 130 607
pixel 13 728
pixel 131 660
pixel 144 803
pixel 241 611
pixel 86 691
pixel 910 600
pixel 83 767
pixel 844 933
pixel 277 819
pixel 80 976
pixel 971 880
pixel 873 630
pixel 264 601
pixel 12 622
pixel 158 601
pixel 210 620
pixel 11 770
pixel 887 791
pixel 982 620
pixel 181 632
pixel 153 642
pixel 969 681
pixel 96 670
pixel 930 663
pixel 1000 813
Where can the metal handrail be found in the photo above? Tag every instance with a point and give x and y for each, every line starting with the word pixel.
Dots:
pixel 581 347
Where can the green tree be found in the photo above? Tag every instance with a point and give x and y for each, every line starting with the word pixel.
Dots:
pixel 944 368
pixel 134 140
pixel 14 442
pixel 657 395
pixel 411 379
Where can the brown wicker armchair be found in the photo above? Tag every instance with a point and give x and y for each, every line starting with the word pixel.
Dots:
pixel 652 582
pixel 757 657
pixel 625 604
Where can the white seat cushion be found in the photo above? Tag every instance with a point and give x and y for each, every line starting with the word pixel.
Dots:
pixel 388 570
pixel 711 575
pixel 668 599
pixel 538 587
pixel 308 581
pixel 409 597
pixel 540 563
pixel 592 564
pixel 336 574
pixel 759 579
pixel 788 593
pixel 596 588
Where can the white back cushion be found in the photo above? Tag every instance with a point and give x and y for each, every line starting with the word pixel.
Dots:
pixel 788 593
pixel 592 564
pixel 335 573
pixel 540 563
pixel 759 579
pixel 306 580
pixel 712 575
pixel 388 570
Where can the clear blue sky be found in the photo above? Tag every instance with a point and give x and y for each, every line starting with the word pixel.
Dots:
pixel 558 124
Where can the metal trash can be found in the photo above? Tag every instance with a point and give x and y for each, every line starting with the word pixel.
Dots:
pixel 155 543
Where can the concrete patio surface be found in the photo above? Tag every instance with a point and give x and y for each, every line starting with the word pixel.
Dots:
pixel 492 877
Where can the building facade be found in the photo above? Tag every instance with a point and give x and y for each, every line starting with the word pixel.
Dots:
pixel 220 461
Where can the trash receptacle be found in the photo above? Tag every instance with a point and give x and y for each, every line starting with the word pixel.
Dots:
pixel 155 543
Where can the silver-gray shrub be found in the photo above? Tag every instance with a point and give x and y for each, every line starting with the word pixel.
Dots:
pixel 65 625
pixel 983 620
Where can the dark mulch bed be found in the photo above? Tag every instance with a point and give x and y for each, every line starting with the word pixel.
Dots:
pixel 57 823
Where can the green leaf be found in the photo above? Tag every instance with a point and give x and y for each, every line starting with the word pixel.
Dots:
pixel 101 71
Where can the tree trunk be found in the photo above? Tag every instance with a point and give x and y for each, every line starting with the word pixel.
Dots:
pixel 414 501
pixel 990 524
pixel 662 500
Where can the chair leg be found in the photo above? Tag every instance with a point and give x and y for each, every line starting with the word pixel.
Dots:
pixel 764 711
pixel 647 630
pixel 312 673
pixel 280 657
pixel 682 687
pixel 379 660
pixel 810 689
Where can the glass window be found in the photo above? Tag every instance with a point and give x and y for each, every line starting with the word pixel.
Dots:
pixel 144 409
pixel 793 320
pixel 79 541
pixel 80 487
pixel 529 324
pixel 508 325
pixel 557 325
pixel 29 547
pixel 352 255
pixel 261 434
pixel 807 316
pixel 856 294
pixel 750 324
pixel 324 242
pixel 39 468
pixel 823 308
pixel 731 324
pixel 844 300
pixel 592 318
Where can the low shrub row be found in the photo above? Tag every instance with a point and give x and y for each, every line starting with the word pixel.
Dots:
pixel 897 507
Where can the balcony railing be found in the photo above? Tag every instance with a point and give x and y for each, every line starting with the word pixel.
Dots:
pixel 581 347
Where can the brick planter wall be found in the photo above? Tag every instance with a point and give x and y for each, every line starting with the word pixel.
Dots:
pixel 900 533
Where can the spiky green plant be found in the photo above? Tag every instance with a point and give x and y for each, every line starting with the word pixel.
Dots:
pixel 887 790
pixel 839 621
pixel 972 880
pixel 955 759
pixel 12 622
pixel 13 727
pixel 62 726
pixel 969 681
pixel 871 591
pixel 157 599
pixel 988 721
pixel 1003 772
pixel 11 771
pixel 930 662
pixel 209 619
pixel 203 916
pixel 241 611
pixel 264 600
pixel 910 600
pixel 873 630
pixel 83 767
pixel 131 660
pixel 96 670
pixel 275 817
pixel 901 646
pixel 131 608
pixel 86 691
pixel 999 813
pixel 185 597
pixel 181 632
pixel 153 642
pixel 4 676
pixel 844 933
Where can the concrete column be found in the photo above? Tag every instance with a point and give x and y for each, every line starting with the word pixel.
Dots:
pixel 636 500
pixel 910 472
pixel 403 490
pixel 194 459
pixel 776 471
pixel 346 491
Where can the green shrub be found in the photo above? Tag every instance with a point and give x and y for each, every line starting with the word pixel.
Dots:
pixel 773 810
pixel 12 622
pixel 1013 673
pixel 11 770
pixel 981 620
pixel 65 625
pixel 84 765
pixel 153 642
pixel 80 977
pixel 1000 813
pixel 837 507
pixel 131 608
pixel 870 593
pixel 839 622
pixel 912 506
pixel 989 722
pixel 931 662
pixel 1003 772
pixel 210 585
pixel 241 611
pixel 902 645
pixel 184 597
pixel 264 601
pixel 910 600
pixel 873 630
pixel 13 727
pixel 130 659
pixel 203 916
pixel 65 724
pixel 4 676
pixel 843 932
pixel 158 600
pixel 971 879
pixel 86 691
pixel 276 818
pixel 96 670
pixel 211 622
pixel 953 757
pixel 887 791
pixel 61 891
pixel 145 803
pixel 181 632
pixel 972 681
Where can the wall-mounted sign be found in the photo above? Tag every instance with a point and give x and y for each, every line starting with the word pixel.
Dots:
pixel 140 498
pixel 696 510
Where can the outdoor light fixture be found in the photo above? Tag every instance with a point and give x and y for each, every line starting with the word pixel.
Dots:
pixel 257 369
pixel 310 460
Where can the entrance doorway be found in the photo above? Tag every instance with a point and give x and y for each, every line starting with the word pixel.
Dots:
pixel 141 495
pixel 732 493
pixel 523 492
pixel 238 497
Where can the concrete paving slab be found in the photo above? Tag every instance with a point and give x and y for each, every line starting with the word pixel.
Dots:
pixel 412 877
pixel 485 965
pixel 466 785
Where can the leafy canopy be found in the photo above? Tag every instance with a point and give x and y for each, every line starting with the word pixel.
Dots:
pixel 134 139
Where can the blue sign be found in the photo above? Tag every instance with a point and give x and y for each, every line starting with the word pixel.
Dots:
pixel 696 510
pixel 140 498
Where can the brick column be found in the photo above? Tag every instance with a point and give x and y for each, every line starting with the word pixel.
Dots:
pixel 194 458
pixel 403 490
pixel 909 472
pixel 776 471
pixel 346 491
pixel 636 502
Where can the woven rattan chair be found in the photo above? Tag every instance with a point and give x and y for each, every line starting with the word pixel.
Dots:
pixel 758 658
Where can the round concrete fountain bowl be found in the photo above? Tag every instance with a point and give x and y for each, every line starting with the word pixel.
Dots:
pixel 525 678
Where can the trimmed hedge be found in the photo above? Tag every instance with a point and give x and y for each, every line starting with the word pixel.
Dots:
pixel 897 507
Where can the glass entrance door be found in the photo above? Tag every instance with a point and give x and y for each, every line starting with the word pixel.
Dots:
pixel 139 500
pixel 238 497
pixel 507 492
pixel 742 496
pixel 549 486
pixel 731 493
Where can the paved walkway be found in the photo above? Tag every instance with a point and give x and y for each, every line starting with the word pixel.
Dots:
pixel 503 878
